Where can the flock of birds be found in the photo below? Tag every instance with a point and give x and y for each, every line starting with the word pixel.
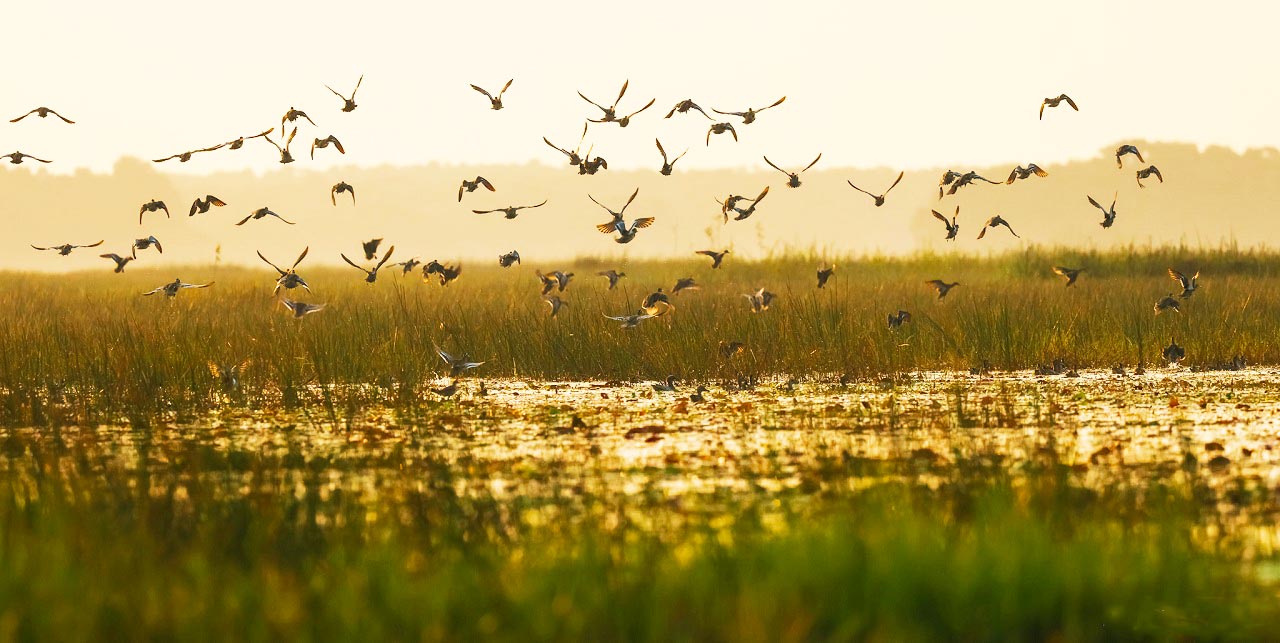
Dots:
pixel 733 206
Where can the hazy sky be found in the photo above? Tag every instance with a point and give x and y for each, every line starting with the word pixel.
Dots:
pixel 900 84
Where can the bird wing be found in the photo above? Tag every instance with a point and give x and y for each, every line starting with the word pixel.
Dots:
pixel 40 248
pixel 642 222
pixel 353 92
pixel 738 114
pixel 556 147
pixel 530 207
pixel 167 158
pixel 895 182
pixel 938 215
pixel 1069 102
pixel 646 106
pixel 482 91
pixel 609 227
pixel 628 203
pixel 660 150
pixel 268 262
pixel 484 211
pixel 1059 270
pixel 1095 204
pixel 95 245
pixel 775 104
pixel 858 188
pixel 766 160
pixel 384 258
pixel 814 162
pixel 152 291
pixel 485 182
pixel 592 102
pixel 461 189
pixel 1179 277
pixel 23 116
pixel 352 263
pixel 621 92
pixel 195 285
pixel 983 233
pixel 344 98
pixel 763 194
pixel 505 88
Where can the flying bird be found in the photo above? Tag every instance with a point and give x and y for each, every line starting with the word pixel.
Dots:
pixel 952 227
pixel 556 304
pixel 322 143
pixel 1189 284
pixel 16 158
pixel 285 155
pixel 760 300
pixel 1127 149
pixel 509 259
pixel 1168 303
pixel 879 198
pixel 510 212
pixel 239 142
pixel 289 279
pixel 589 166
pixel 745 213
pixel 1020 173
pixel 896 320
pixel 339 188
pixel 631 321
pixel 610 112
pixel 684 106
pixel 171 289
pixel 143 244
pixel 43 112
pixel 824 274
pixel 472 186
pixel 1173 353
pixel 348 104
pixel 370 276
pixel 495 102
pixel 716 257
pixel 66 248
pixel 555 279
pixel 152 206
pixel 1053 102
pixel 962 180
pixel 183 157
pixel 721 128
pixel 261 213
pixel 574 157
pixel 748 117
pixel 793 178
pixel 994 222
pixel 201 206
pixel 121 262
pixel 370 248
pixel 1147 172
pixel 1071 274
pixel 408 266
pixel 684 283
pixel 613 276
pixel 667 165
pixel 458 366
pixel 446 273
pixel 300 309
pixel 941 287
pixel 1108 214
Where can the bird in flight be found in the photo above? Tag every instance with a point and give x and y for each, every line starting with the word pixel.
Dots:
pixel 292 116
pixel 793 178
pixel 618 223
pixel 1189 284
pixel 941 287
pixel 1147 172
pixel 1167 303
pixel 952 227
pixel 748 117
pixel 556 279
pixel 631 321
pixel 994 222
pixel 239 142
pixel 668 165
pixel 1127 149
pixel 285 155
pixel 1108 214
pixel 744 213
pixel 1020 173
pixel 17 158
pixel 512 211
pixel 685 283
pixel 262 213
pixel 143 244
pixel 201 206
pixel 183 157
pixel 339 188
pixel 556 303
pixel 574 157
pixel 684 106
pixel 624 121
pixel 721 128
pixel 613 276
pixel 590 166
pixel 121 262
pixel 171 289
pixel 300 309
pixel 66 248
pixel 896 320
pixel 322 143
pixel 716 257
pixel 348 104
pixel 509 259
pixel 43 112
pixel 458 366
pixel 1070 274
pixel 289 279
pixel 1053 102
pixel 824 274
pixel 1173 353
pixel 447 273
pixel 472 186
pixel 370 276
pixel 961 180
pixel 407 266
pixel 760 300
pixel 495 102
pixel 152 206
pixel 370 248
pixel 879 198
pixel 611 112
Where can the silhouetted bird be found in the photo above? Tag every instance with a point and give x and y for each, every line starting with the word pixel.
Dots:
pixel 171 289
pixel 509 259
pixel 370 276
pixel 721 128
pixel 953 228
pixel 288 279
pixel 183 157
pixel 239 142
pixel 744 213
pixel 152 206
pixel 684 106
pixel 879 198
pixel 120 261
pixel 16 158
pixel 1168 303
pixel 370 248
pixel 631 321
pixel 262 213
pixel 613 276
pixel 574 157
pixel 339 188
pixel 201 206
pixel 510 212
pixel 611 112
pixel 941 287
pixel 472 186
pixel 300 309
pixel 967 179
pixel 995 222
pixel 1053 102
pixel 667 165
pixel 495 102
pixel 1127 149
pixel 1071 274
pixel 1020 173
pixel 1147 172
pixel 293 115
pixel 348 104
pixel 321 143
pixel 43 112
pixel 825 274
pixel 1108 214
pixel 793 178
pixel 748 117
pixel 896 320
pixel 285 155
pixel 1173 353
pixel 143 244
pixel 760 300
pixel 716 257
pixel 66 248
pixel 556 303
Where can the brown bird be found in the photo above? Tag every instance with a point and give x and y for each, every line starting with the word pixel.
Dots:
pixel 66 248
pixel 1173 353
pixel 613 276
pixel 285 155
pixel 590 166
pixel 1127 149
pixel 43 112
pixel 996 221
pixel 325 142
pixel 1168 303
pixel 896 320
pixel 143 244
pixel 447 273
pixel 684 106
pixel 1071 274
pixel 716 257
pixel 1108 215
pixel 721 128
pixel 625 120
pixel 667 165
pixel 370 248
pixel 348 104
pixel 574 157
pixel 952 227
pixel 510 212
pixel 300 309
pixel 293 115
pixel 962 180
pixel 1053 102
pixel 1020 172
pixel 760 300
pixel 370 276
pixel 509 259
pixel 152 206
pixel 554 280
pixel 16 158
pixel 183 157
pixel 289 279
pixel 472 186
pixel 793 178
pixel 744 213
pixel 941 286
pixel 1189 284
pixel 339 188
pixel 201 206
pixel 239 142
pixel 495 102
pixel 685 283
pixel 556 304
pixel 824 274
pixel 748 117
pixel 610 112
pixel 262 213
pixel 121 262
pixel 879 198
pixel 1147 172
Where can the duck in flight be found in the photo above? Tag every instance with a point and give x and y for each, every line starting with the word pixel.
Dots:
pixel 556 279
pixel 556 303
pixel 446 273
pixel 512 211
pixel 285 155
pixel 495 102
pixel 339 188
pixel 300 309
pixel 239 142
pixel 684 106
pixel 1189 284
pixel 624 121
pixel 1147 172
pixel 370 248
pixel 941 287
pixel 1173 353
pixel 1070 274
pixel 183 157
pixel 1053 102
pixel 143 244
pixel 17 158
pixel 201 206
pixel 321 143
pixel 668 165
pixel 685 283
pixel 66 248
pixel 952 227
pixel 748 117
pixel 292 116
pixel 745 213
pixel 472 186
pixel 793 178
pixel 1127 149
pixel 1167 303
pixel 1108 214
pixel 44 112
pixel 618 224
pixel 994 222
pixel 589 166
pixel 716 257
pixel 1020 173
pixel 152 206
pixel 262 213
pixel 121 262
pixel 631 321
pixel 721 128
pixel 171 289
pixel 961 180
pixel 613 276
pixel 289 279
pixel 509 259
pixel 348 104
pixel 825 274
pixel 896 320
pixel 370 276
pixel 408 266
pixel 760 300
pixel 879 198
pixel 458 366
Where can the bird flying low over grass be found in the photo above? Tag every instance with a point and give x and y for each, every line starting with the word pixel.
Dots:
pixel 749 116
pixel 143 244
pixel 121 262
pixel 742 213
pixel 445 273
pixel 941 287
pixel 1189 284
pixel 760 300
pixel 66 248
pixel 512 211
pixel 1053 102
pixel 613 276
pixel 556 303
pixel 793 178
pixel 370 276
pixel 509 259
pixel 171 289
pixel 825 273
pixel 631 321
pixel 1108 214
pixel 458 366
pixel 896 320
pixel 555 279
pixel 288 279
pixel 300 309
pixel 201 206
pixel 995 222
pixel 953 228
pixel 1070 274
pixel 1167 303
pixel 716 257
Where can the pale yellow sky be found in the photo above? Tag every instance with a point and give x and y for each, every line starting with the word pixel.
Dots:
pixel 895 84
